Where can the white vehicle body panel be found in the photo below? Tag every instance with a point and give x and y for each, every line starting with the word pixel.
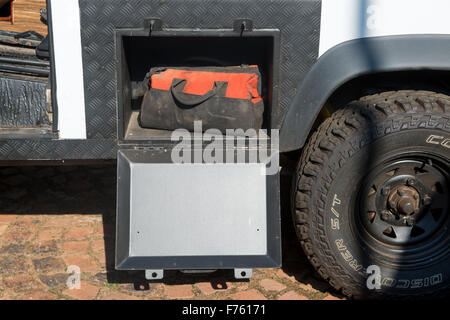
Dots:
pixel 341 21
pixel 69 69
pixel 344 20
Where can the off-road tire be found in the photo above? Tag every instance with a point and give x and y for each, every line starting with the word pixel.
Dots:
pixel 337 159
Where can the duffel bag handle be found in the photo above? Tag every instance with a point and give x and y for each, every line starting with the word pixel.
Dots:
pixel 190 102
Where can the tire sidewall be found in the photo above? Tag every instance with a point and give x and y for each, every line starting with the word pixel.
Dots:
pixel 352 257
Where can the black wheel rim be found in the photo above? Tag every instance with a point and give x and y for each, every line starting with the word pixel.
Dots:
pixel 403 207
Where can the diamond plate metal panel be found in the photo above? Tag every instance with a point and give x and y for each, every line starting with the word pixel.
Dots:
pixel 299 22
pixel 57 149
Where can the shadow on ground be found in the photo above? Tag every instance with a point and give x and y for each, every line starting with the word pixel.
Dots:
pixel 92 190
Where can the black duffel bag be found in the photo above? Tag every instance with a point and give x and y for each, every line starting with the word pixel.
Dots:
pixel 221 97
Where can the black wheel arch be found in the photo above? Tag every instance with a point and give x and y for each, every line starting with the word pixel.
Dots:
pixel 357 59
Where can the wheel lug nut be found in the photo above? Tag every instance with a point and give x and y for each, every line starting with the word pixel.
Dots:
pixel 385 215
pixel 410 221
pixel 416 196
pixel 427 200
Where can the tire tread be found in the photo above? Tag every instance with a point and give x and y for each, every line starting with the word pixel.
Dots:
pixel 389 112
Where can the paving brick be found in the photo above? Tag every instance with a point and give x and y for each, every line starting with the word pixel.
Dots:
pixel 54 280
pixel 43 247
pixel 114 295
pixel 283 274
pixel 75 246
pixel 90 219
pixel 142 288
pixel 11 264
pixel 83 261
pixel 272 285
pixel 60 221
pixel 182 291
pixel 86 292
pixel 241 286
pixel 7 218
pixel 12 248
pixel 25 226
pixel 17 235
pixel 3 228
pixel 79 233
pixel 101 258
pixel 251 294
pixel 100 277
pixel 292 295
pixel 208 288
pixel 48 264
pixel 37 295
pixel 331 297
pixel 20 282
pixel 50 234
pixel 29 219
pixel 98 245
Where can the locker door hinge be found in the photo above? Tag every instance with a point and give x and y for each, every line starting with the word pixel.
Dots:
pixel 241 25
pixel 152 24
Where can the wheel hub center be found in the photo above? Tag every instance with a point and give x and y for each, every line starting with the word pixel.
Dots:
pixel 404 200
pixel 406 206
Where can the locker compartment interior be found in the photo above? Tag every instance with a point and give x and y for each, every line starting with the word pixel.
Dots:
pixel 140 53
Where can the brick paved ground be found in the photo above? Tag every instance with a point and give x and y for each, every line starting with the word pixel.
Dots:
pixel 54 217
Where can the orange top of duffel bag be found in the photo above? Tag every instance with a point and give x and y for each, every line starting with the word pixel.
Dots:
pixel 240 85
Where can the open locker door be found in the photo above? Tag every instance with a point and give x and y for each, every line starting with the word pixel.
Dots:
pixel 179 216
